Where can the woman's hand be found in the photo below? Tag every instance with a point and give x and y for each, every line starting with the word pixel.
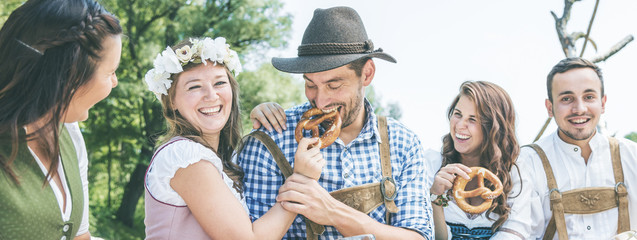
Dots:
pixel 268 114
pixel 446 175
pixel 308 159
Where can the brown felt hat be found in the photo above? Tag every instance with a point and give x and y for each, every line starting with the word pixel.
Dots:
pixel 335 37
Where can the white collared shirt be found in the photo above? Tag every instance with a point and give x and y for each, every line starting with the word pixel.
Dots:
pixel 571 172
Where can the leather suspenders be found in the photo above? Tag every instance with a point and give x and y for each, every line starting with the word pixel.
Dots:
pixel 585 200
pixel 364 198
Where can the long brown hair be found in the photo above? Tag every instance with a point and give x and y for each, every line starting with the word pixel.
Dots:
pixel 230 136
pixel 48 50
pixel 500 148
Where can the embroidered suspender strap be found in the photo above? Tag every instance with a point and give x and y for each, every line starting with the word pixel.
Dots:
pixel 557 221
pixel 623 221
pixel 388 185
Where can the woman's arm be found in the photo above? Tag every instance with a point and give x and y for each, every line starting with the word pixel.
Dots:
pixel 440 226
pixel 218 211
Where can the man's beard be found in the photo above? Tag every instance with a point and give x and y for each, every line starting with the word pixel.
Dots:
pixel 578 136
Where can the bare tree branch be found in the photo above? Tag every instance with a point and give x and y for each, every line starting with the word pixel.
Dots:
pixel 568 45
pixel 588 31
pixel 618 46
pixel 577 35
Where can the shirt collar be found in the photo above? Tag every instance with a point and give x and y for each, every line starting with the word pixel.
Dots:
pixel 595 143
pixel 370 129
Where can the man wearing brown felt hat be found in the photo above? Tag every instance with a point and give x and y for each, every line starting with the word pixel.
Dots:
pixel 383 196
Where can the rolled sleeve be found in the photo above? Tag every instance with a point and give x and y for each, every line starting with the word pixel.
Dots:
pixel 413 195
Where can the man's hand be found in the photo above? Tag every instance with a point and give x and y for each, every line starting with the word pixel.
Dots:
pixel 270 115
pixel 303 195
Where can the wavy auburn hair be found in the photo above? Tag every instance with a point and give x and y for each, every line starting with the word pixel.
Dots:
pixel 500 148
pixel 230 136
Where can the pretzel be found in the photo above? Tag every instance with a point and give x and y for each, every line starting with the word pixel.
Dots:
pixel 331 116
pixel 460 195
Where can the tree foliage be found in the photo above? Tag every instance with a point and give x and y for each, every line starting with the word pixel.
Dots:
pixel 258 86
pixel 391 109
pixel 632 136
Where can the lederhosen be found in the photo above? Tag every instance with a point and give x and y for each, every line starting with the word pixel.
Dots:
pixel 586 200
pixel 364 198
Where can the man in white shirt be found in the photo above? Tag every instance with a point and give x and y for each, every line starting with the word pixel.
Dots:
pixel 592 196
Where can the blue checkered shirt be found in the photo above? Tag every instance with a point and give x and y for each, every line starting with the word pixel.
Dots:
pixel 347 166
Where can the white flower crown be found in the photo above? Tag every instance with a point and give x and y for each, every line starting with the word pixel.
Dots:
pixel 170 62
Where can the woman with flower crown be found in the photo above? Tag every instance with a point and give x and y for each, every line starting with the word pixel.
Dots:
pixel 193 189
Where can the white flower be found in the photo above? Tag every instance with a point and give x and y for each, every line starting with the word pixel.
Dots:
pixel 158 81
pixel 233 63
pixel 208 50
pixel 222 49
pixel 184 54
pixel 168 62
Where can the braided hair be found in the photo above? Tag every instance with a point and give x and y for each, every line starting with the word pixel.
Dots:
pixel 48 49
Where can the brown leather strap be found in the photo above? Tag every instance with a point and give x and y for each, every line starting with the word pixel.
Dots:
pixel 550 229
pixel 275 151
pixel 623 219
pixel 556 199
pixel 388 185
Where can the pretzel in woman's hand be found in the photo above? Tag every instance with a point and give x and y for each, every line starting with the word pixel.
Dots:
pixel 331 116
pixel 460 195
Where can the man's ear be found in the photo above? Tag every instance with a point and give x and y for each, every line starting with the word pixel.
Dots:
pixel 603 103
pixel 367 74
pixel 549 107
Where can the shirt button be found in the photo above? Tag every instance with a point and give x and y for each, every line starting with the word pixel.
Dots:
pixel 63 238
pixel 65 228
pixel 575 149
pixel 588 228
pixel 346 175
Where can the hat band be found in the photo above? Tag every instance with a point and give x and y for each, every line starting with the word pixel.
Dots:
pixel 335 48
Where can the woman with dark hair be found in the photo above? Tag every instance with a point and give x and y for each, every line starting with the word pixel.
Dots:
pixel 193 188
pixel 57 59
pixel 481 134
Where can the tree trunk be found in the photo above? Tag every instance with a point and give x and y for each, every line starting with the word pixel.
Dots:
pixel 133 191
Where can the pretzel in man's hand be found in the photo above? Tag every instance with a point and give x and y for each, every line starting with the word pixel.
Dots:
pixel 461 196
pixel 331 116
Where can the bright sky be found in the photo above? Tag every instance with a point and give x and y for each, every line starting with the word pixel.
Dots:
pixel 440 44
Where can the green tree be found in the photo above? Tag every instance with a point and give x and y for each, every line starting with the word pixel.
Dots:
pixel 391 109
pixel 267 84
pixel 6 6
pixel 632 136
